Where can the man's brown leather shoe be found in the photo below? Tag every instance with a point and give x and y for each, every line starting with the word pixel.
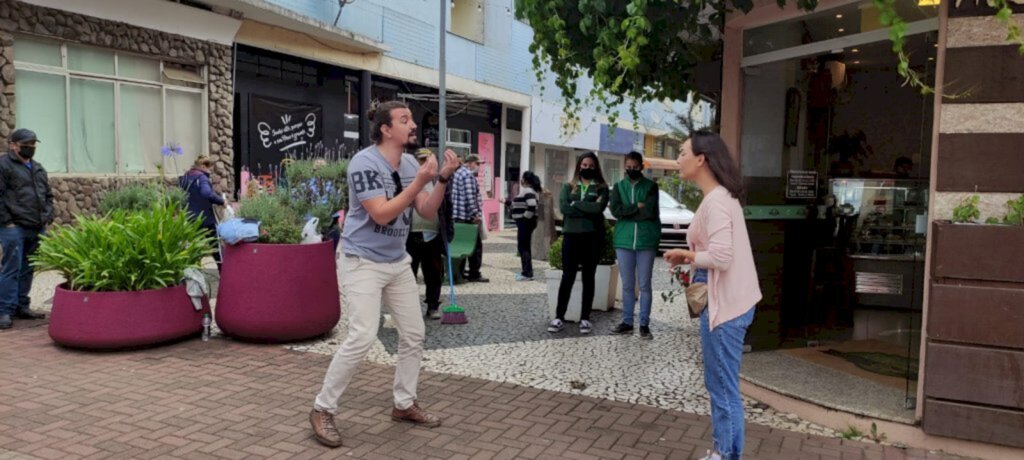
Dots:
pixel 415 415
pixel 324 429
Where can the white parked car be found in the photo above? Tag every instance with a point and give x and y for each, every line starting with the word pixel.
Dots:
pixel 675 221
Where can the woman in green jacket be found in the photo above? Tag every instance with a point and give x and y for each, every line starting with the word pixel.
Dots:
pixel 582 202
pixel 634 203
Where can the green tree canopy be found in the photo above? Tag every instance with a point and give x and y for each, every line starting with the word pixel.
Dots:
pixel 643 50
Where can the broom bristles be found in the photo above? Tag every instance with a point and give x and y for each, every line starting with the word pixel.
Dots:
pixel 453 314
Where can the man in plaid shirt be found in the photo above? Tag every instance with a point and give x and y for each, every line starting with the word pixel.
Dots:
pixel 467 207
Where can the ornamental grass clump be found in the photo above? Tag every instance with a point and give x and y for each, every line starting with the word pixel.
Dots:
pixel 141 197
pixel 125 251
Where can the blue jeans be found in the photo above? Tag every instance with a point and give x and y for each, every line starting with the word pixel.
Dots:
pixel 723 350
pixel 636 266
pixel 16 275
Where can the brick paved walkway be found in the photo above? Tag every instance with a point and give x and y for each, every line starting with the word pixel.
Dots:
pixel 223 399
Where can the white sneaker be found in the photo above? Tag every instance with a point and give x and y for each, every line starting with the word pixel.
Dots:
pixel 520 277
pixel 555 325
pixel 585 327
pixel 711 456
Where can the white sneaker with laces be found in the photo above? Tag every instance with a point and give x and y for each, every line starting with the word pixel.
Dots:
pixel 585 327
pixel 555 325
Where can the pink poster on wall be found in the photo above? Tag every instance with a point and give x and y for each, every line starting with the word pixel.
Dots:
pixel 489 189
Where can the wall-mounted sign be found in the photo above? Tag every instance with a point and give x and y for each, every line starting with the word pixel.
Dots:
pixel 279 128
pixel 802 185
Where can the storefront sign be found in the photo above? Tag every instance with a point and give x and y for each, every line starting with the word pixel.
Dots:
pixel 802 185
pixel 280 127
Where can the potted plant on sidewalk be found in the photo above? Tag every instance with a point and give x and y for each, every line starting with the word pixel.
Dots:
pixel 279 289
pixel 124 274
pixel 605 280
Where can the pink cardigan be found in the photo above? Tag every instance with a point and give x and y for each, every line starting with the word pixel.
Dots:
pixel 718 235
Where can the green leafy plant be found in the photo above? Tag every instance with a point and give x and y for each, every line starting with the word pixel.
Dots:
pixel 141 197
pixel 280 222
pixel 1014 212
pixel 993 221
pixel 851 433
pixel 874 435
pixel 967 210
pixel 125 250
pixel 318 188
pixel 637 51
pixel 310 188
pixel 555 254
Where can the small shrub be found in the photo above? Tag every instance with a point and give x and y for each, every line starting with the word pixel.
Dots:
pixel 555 254
pixel 141 197
pixel 280 223
pixel 125 250
pixel 1014 212
pixel 967 210
pixel 318 188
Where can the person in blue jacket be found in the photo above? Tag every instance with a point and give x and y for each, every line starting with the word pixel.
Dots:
pixel 201 197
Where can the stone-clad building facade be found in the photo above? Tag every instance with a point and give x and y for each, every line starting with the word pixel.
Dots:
pixel 157 78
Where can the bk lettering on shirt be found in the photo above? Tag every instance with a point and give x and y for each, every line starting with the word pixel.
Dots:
pixel 366 180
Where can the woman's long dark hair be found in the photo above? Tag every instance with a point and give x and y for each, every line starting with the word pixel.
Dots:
pixel 597 166
pixel 721 162
pixel 532 180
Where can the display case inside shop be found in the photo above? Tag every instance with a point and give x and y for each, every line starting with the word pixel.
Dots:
pixel 883 223
pixel 885 216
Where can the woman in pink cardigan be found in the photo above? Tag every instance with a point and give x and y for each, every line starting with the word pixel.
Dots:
pixel 720 252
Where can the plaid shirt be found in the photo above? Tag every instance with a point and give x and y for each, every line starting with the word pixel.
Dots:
pixel 466 201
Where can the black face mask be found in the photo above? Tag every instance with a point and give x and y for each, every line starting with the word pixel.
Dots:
pixel 634 173
pixel 588 174
pixel 27 152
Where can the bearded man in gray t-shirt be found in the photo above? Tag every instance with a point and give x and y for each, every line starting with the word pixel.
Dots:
pixel 385 185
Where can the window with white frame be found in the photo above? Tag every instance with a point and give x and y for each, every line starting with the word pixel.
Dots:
pixel 460 141
pixel 103 112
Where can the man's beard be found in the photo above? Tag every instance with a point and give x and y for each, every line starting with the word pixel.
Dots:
pixel 412 144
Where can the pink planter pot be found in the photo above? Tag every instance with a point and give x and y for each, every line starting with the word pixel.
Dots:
pixel 112 320
pixel 278 292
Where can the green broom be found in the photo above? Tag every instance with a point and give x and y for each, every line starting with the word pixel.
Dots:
pixel 452 314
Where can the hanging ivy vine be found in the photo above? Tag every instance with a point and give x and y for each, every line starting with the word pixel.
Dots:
pixel 637 51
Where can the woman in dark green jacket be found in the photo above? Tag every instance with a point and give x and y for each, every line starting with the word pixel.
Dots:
pixel 582 202
pixel 634 203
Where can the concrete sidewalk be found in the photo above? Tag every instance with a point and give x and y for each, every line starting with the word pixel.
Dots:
pixel 224 399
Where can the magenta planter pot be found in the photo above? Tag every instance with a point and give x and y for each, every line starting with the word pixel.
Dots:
pixel 112 320
pixel 278 292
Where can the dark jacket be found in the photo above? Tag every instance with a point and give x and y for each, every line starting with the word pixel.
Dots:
pixel 636 228
pixel 583 214
pixel 27 200
pixel 201 197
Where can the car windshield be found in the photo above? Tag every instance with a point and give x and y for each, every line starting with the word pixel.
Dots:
pixel 666 201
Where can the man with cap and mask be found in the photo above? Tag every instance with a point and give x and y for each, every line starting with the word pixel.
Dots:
pixel 467 207
pixel 26 208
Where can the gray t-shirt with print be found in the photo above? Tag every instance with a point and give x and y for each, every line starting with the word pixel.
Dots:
pixel 370 176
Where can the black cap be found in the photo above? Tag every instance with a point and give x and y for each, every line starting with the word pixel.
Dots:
pixel 23 135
